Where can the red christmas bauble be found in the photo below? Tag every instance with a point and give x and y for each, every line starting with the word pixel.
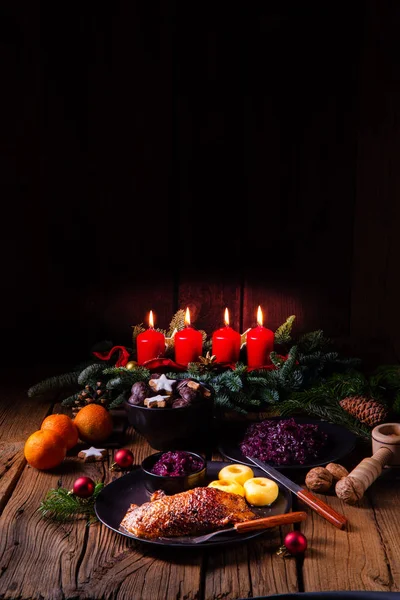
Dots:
pixel 295 542
pixel 84 487
pixel 124 458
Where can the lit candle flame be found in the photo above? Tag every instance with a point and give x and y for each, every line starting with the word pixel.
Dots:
pixel 259 317
pixel 151 320
pixel 187 317
pixel 226 318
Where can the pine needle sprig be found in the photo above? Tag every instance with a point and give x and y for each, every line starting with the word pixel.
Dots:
pixel 119 399
pixel 313 341
pixel 331 412
pixel 91 374
pixel 54 384
pixel 61 505
pixel 276 360
pixel 70 401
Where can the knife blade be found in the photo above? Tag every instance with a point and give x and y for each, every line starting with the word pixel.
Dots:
pixel 320 507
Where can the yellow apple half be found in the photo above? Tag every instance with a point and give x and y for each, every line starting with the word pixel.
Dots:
pixel 238 473
pixel 260 491
pixel 227 485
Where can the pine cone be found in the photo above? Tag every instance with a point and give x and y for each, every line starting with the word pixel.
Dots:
pixel 366 410
pixel 92 395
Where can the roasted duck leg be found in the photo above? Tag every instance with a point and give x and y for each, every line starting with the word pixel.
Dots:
pixel 196 511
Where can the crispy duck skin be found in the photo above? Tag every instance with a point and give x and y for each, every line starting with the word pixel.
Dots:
pixel 197 511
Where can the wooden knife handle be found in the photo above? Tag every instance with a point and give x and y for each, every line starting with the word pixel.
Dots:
pixel 274 521
pixel 322 509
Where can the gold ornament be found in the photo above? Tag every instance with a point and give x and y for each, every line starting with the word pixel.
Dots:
pixel 243 337
pixel 207 360
pixel 132 364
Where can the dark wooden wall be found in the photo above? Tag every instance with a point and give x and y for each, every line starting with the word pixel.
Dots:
pixel 165 154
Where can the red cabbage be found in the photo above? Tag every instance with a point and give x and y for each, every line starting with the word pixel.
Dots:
pixel 283 442
pixel 176 464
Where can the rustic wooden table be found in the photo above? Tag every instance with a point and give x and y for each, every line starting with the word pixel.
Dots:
pixel 40 559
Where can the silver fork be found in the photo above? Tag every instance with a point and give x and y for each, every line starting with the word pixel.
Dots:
pixel 244 527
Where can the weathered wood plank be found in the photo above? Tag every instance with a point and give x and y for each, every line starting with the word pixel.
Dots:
pixel 38 557
pixel 11 466
pixel 250 569
pixel 384 496
pixel 116 567
pixel 353 559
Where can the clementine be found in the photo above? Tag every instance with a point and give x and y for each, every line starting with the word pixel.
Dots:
pixel 94 423
pixel 64 426
pixel 44 449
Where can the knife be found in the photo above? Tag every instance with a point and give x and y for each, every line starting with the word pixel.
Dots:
pixel 305 496
pixel 244 527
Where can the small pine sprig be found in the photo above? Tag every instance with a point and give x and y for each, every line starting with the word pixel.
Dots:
pixel 283 333
pixel 62 505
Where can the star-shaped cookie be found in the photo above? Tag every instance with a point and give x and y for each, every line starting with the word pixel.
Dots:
pixel 93 454
pixel 162 383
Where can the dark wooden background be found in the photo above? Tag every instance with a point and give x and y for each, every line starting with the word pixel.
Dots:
pixel 163 154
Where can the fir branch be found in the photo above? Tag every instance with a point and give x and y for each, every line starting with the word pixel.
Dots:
pixel 283 333
pixel 91 374
pixel 276 360
pixel 386 376
pixel 290 362
pixel 70 400
pixel 352 383
pixel 119 400
pixel 131 376
pixel 54 384
pixel 313 341
pixel 61 505
pixel 332 413
pixel 396 404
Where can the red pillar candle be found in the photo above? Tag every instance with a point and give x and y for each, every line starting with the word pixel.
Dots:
pixel 226 343
pixel 188 343
pixel 150 343
pixel 259 343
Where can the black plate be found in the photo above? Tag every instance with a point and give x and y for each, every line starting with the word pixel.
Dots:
pixel 115 498
pixel 341 442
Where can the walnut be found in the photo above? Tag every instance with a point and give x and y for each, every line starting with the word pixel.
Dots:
pixel 349 489
pixel 319 479
pixel 337 471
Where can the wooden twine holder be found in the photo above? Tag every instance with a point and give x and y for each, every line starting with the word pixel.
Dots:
pixel 386 450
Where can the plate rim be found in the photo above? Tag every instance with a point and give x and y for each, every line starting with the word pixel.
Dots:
pixel 303 419
pixel 163 544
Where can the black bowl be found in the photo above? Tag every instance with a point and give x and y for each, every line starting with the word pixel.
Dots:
pixel 169 484
pixel 174 428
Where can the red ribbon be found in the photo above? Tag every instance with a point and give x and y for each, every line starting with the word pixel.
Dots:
pixel 123 357
pixel 155 364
